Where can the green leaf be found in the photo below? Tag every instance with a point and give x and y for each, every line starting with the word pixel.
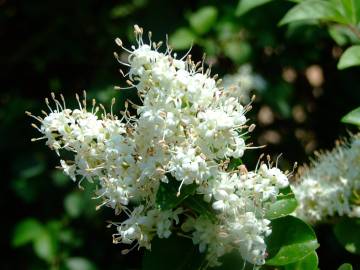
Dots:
pixel 176 253
pixel 234 163
pixel 342 34
pixel 291 240
pixel 201 207
pixel 349 10
pixel 182 39
pixel 313 10
pixel 45 246
pixel 351 57
pixel 211 46
pixel 33 170
pixel 233 260
pixel 203 19
pixel 345 266
pixel 79 263
pixel 166 196
pixel 238 51
pixel 283 206
pixel 347 232
pixel 310 262
pixel 74 204
pixel 246 5
pixel 352 117
pixel 26 231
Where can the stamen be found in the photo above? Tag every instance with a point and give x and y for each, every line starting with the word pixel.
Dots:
pixel 78 100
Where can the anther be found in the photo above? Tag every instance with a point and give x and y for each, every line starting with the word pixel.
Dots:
pixel 118 42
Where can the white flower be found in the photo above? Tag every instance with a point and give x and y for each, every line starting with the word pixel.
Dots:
pixel 68 169
pixel 325 189
pixel 187 127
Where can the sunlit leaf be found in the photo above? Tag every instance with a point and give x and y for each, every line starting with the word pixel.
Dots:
pixel 313 10
pixel 350 9
pixel 26 231
pixel 246 5
pixel 284 205
pixel 291 240
pixel 352 117
pixel 351 57
pixel 310 262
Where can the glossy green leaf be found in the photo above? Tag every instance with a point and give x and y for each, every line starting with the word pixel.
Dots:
pixel 167 196
pixel 182 39
pixel 283 206
pixel 246 5
pixel 347 232
pixel 352 117
pixel 351 57
pixel 26 231
pixel 310 262
pixel 345 266
pixel 176 253
pixel 79 263
pixel 313 10
pixel 291 240
pixel 203 19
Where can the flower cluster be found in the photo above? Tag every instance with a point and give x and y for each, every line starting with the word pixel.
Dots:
pixel 330 186
pixel 186 132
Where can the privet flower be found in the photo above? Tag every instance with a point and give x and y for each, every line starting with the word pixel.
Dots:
pixel 185 132
pixel 330 186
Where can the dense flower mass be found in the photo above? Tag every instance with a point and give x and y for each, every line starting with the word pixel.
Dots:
pixel 187 132
pixel 330 186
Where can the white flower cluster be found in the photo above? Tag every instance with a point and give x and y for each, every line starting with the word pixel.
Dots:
pixel 241 83
pixel 330 186
pixel 187 129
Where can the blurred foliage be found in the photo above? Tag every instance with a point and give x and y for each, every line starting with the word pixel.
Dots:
pixel 66 47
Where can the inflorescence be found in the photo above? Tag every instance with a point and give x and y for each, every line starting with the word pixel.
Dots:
pixel 186 131
pixel 330 186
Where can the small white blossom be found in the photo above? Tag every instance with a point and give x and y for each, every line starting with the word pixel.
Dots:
pixel 330 186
